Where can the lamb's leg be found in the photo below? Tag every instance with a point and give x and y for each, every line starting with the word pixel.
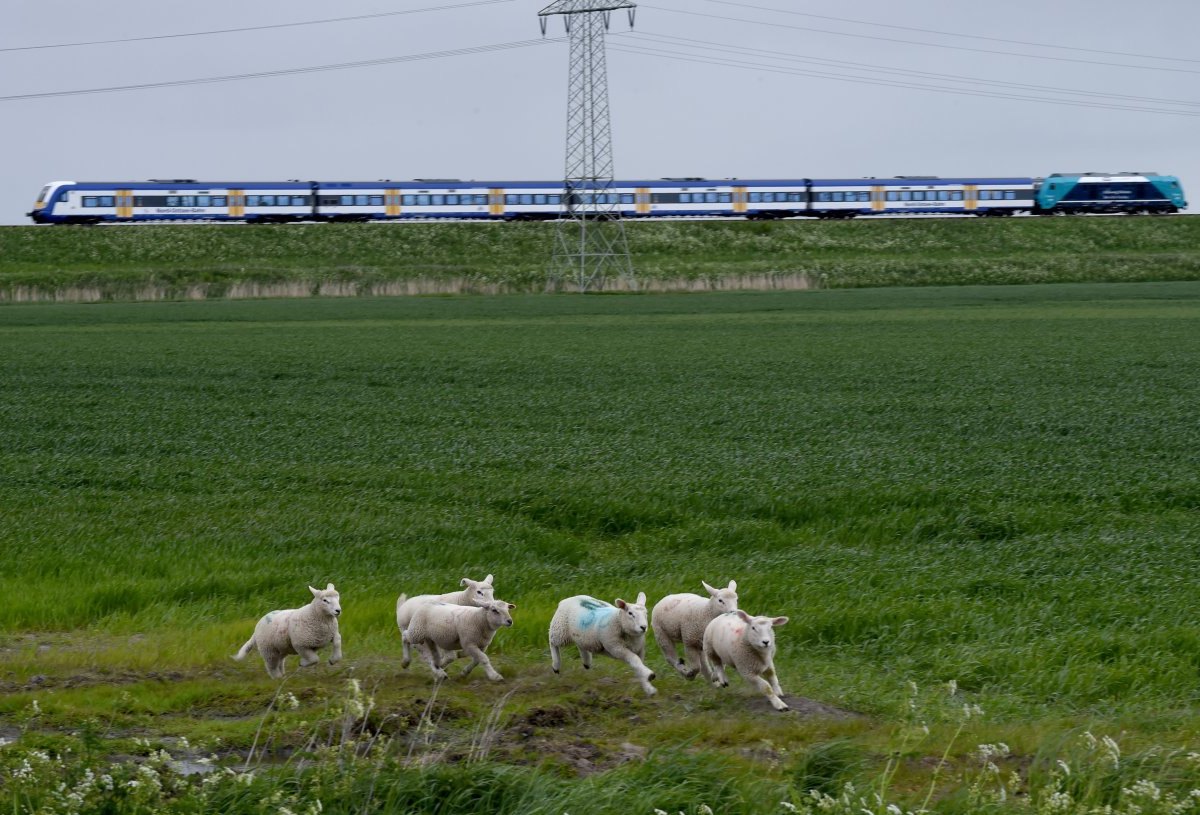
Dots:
pixel 274 662
pixel 713 670
pixel 478 657
pixel 630 658
pixel 336 656
pixel 308 656
pixel 427 653
pixel 406 649
pixel 445 657
pixel 555 656
pixel 765 688
pixel 772 677
pixel 670 651
pixel 586 658
pixel 695 661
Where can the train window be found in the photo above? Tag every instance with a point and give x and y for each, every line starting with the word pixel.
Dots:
pixel 361 200
pixel 556 200
pixel 203 200
pixel 893 195
pixel 918 195
pixel 346 200
pixel 218 201
pixel 626 198
pixel 409 200
pixel 756 198
pixel 527 199
pixel 91 201
pixel 451 200
pixel 173 200
pixel 187 201
pixel 106 200
pixel 423 200
pixel 905 195
pixel 822 196
pixel 510 199
pixel 956 195
pixel 299 201
pixel 437 200
pixel 1010 195
pixel 943 195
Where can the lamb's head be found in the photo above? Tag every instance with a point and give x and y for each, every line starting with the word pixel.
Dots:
pixel 633 616
pixel 721 601
pixel 759 632
pixel 327 600
pixel 497 611
pixel 478 591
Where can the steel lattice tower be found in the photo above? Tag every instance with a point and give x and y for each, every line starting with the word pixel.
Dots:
pixel 589 244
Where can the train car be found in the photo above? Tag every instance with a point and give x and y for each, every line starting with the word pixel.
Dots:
pixel 928 195
pixel 69 202
pixel 1132 193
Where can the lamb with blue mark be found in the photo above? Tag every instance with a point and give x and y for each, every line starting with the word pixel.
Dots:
pixel 596 627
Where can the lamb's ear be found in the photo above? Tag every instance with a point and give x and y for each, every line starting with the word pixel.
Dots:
pixel 743 615
pixel 709 588
pixel 512 605
pixel 316 592
pixel 733 585
pixel 641 598
pixel 779 621
pixel 464 581
pixel 487 580
pixel 330 588
pixel 620 603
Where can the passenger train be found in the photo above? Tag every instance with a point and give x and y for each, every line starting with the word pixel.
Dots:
pixel 69 202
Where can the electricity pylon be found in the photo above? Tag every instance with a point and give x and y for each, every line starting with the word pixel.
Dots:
pixel 589 243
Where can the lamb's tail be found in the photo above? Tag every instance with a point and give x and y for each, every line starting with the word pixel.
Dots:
pixel 245 649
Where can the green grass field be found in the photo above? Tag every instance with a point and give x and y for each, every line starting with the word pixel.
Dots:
pixel 154 262
pixel 992 485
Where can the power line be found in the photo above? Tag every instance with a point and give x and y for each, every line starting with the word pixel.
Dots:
pixel 457 52
pixel 925 44
pixel 889 83
pixel 952 33
pixel 887 69
pixel 255 27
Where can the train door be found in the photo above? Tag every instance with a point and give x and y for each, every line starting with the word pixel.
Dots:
pixel 641 199
pixel 739 199
pixel 878 198
pixel 495 201
pixel 391 200
pixel 124 203
pixel 971 197
pixel 237 203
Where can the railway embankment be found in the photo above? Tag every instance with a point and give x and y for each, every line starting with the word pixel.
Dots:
pixel 200 261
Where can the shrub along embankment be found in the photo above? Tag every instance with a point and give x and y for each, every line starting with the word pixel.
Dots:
pixel 155 262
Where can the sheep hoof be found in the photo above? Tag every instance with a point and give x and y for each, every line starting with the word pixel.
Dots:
pixel 587 667
pixel 554 669
pixel 652 676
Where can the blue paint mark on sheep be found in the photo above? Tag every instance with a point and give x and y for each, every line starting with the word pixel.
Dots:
pixel 596 612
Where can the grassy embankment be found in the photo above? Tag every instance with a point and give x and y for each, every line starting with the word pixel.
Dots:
pixel 996 486
pixel 180 262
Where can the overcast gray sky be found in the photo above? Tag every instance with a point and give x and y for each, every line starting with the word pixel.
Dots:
pixel 748 88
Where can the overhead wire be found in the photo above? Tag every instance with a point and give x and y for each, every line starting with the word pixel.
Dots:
pixel 777 25
pixel 256 27
pixel 950 33
pixel 456 52
pixel 757 66
pixel 888 69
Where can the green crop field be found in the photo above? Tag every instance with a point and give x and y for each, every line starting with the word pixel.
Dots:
pixel 978 506
pixel 155 262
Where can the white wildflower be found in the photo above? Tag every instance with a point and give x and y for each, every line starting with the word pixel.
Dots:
pixel 37 709
pixel 789 806
pixel 952 686
pixel 291 701
pixel 704 809
pixel 1064 766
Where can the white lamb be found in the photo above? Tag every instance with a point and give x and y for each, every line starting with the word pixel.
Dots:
pixel 748 644
pixel 682 618
pixel 475 593
pixel 438 630
pixel 596 627
pixel 298 631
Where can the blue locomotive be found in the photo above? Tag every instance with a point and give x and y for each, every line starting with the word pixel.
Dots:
pixel 69 202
